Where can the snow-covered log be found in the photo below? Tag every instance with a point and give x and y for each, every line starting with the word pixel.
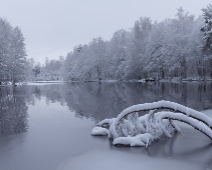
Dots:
pixel 138 140
pixel 198 125
pixel 106 122
pixel 161 105
pixel 130 129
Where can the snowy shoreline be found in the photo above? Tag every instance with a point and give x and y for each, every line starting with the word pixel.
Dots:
pixel 43 82
pixel 177 79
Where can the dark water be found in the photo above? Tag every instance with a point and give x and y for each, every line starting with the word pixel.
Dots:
pixel 41 126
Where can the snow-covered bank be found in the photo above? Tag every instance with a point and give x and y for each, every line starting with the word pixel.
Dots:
pixel 166 80
pixel 45 82
pixel 33 83
pixel 6 84
pixel 110 159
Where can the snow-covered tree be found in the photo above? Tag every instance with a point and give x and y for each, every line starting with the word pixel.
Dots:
pixel 207 27
pixel 37 70
pixel 161 50
pixel 5 40
pixel 17 62
pixel 139 36
pixel 118 52
pixel 12 53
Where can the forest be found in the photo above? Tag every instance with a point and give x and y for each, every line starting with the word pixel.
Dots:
pixel 173 48
pixel 13 63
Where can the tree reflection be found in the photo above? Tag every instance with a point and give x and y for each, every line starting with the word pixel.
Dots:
pixel 96 101
pixel 180 147
pixel 13 111
pixel 107 100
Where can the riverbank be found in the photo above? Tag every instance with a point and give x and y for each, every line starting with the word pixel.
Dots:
pixel 33 83
pixel 168 80
pixel 174 79
pixel 45 82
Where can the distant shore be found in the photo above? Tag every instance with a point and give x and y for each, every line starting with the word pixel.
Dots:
pixel 168 80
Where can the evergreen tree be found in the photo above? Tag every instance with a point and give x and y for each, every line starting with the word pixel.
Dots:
pixel 5 41
pixel 17 64
pixel 12 53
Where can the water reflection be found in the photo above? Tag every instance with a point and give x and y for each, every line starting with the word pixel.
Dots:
pixel 94 101
pixel 13 111
pixel 97 101
pixel 192 147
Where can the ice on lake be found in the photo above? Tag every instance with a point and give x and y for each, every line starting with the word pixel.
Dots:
pixel 116 160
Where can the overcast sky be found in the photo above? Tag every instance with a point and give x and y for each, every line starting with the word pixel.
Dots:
pixel 53 27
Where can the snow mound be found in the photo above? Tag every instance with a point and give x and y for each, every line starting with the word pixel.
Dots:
pixel 99 131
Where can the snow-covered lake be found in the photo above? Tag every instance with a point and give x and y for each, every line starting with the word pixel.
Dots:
pixel 48 127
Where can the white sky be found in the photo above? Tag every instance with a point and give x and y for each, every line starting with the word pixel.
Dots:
pixel 53 27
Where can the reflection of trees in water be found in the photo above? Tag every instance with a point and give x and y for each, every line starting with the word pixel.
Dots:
pixel 13 111
pixel 14 101
pixel 95 100
pixel 106 100
pixel 52 93
pixel 181 148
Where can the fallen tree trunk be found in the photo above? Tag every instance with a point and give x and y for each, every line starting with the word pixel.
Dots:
pixel 130 129
pixel 161 105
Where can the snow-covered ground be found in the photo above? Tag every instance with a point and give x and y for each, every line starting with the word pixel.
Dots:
pixel 116 160
pixel 34 83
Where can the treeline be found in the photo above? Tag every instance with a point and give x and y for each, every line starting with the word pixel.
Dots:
pixel 179 47
pixel 171 48
pixel 52 70
pixel 13 64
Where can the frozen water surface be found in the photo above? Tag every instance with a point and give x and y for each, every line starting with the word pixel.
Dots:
pixel 109 159
pixel 48 127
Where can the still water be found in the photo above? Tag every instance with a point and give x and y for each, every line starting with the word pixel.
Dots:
pixel 43 125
